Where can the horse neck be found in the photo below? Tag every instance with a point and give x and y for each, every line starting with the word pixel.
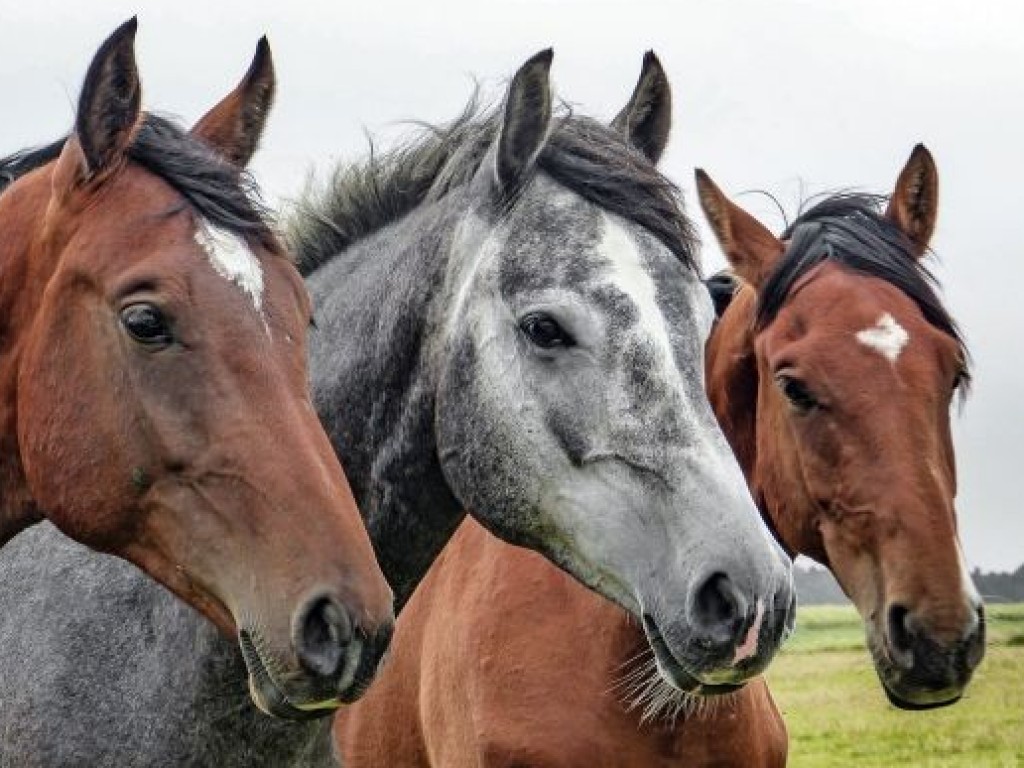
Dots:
pixel 25 269
pixel 377 306
pixel 25 265
pixel 732 378
pixel 734 385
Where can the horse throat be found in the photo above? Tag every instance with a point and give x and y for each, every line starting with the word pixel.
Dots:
pixel 25 269
pixel 374 382
pixel 733 383
pixel 732 378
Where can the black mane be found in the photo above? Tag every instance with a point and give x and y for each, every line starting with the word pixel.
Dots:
pixel 849 229
pixel 581 154
pixel 214 188
pixel 13 167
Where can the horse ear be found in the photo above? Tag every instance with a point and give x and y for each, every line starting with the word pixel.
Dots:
pixel 914 205
pixel 526 121
pixel 647 119
pixel 751 249
pixel 110 105
pixel 235 125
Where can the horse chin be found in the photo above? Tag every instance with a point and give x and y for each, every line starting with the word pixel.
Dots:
pixel 942 699
pixel 675 674
pixel 267 695
pixel 905 696
pixel 270 700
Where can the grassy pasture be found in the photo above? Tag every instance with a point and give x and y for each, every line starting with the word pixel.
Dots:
pixel 837 714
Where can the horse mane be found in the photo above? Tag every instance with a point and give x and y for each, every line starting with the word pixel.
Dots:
pixel 849 228
pixel 14 166
pixel 215 189
pixel 583 155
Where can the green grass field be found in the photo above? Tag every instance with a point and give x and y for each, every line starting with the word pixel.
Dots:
pixel 837 714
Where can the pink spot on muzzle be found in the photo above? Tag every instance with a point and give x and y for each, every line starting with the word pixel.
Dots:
pixel 748 647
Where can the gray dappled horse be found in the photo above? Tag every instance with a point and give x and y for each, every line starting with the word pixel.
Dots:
pixel 509 320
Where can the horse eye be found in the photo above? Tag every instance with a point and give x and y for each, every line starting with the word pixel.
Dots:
pixel 544 331
pixel 796 393
pixel 147 325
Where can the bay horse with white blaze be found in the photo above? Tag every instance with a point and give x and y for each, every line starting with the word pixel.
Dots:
pixel 153 396
pixel 832 373
pixel 843 417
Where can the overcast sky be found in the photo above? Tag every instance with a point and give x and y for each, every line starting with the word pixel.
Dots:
pixel 783 96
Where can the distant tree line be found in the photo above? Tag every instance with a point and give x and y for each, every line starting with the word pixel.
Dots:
pixel 816 586
pixel 997 587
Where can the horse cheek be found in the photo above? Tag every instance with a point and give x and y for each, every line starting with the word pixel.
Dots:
pixel 70 467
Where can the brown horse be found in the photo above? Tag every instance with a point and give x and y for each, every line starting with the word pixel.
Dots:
pixel 832 372
pixel 153 395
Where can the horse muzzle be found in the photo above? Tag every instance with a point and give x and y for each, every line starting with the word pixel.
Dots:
pixel 337 661
pixel 916 670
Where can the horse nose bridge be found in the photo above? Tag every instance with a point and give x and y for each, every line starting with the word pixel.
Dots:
pixel 904 472
pixel 295 517
pixel 708 470
pixel 259 438
pixel 729 523
pixel 288 458
pixel 920 558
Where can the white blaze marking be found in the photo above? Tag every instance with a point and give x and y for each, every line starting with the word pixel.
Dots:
pixel 748 647
pixel 233 259
pixel 721 485
pixel 634 280
pixel 886 337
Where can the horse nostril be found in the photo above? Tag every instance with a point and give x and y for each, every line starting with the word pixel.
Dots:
pixel 323 631
pixel 901 637
pixel 719 607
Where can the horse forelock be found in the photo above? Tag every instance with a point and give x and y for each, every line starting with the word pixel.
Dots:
pixel 849 229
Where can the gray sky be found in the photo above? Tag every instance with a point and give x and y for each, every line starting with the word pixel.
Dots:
pixel 782 95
